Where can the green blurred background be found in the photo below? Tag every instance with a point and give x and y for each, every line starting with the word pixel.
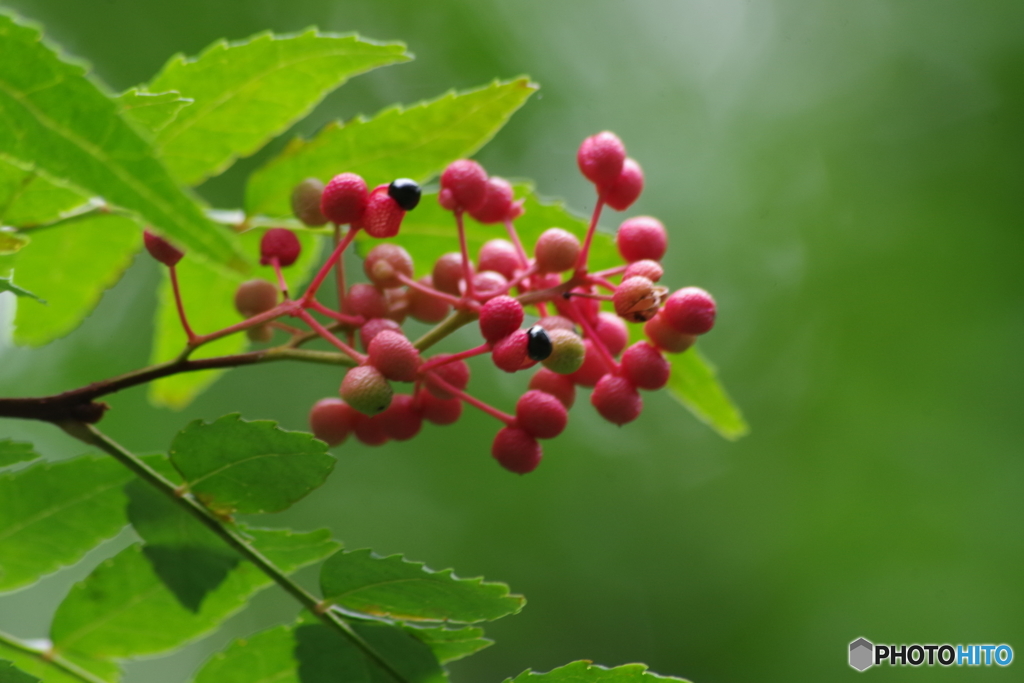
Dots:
pixel 847 178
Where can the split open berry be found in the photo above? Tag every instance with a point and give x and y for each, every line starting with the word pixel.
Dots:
pixel 500 317
pixel 394 355
pixel 497 203
pixel 160 249
pixel 367 301
pixel 557 250
pixel 425 307
pixel 500 256
pixel 366 389
pixel 440 411
pixel 306 202
pixel 663 336
pixel 344 199
pixel 621 194
pixel 538 343
pixel 645 367
pixel 559 386
pixel 385 263
pixel 402 420
pixel 637 299
pixel 541 415
pixel 255 296
pixel 371 328
pixel 690 310
pixel 567 352
pixel 406 192
pixel 516 450
pixel 466 180
pixel 454 373
pixel 510 354
pixel 382 217
pixel 448 273
pixel 600 158
pixel 616 399
pixel 280 244
pixel 331 420
pixel 647 268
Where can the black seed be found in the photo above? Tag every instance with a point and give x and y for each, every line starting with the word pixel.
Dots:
pixel 538 343
pixel 405 192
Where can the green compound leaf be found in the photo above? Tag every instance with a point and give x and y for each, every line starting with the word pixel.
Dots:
pixel 51 514
pixel 6 285
pixel 417 142
pixel 12 674
pixel 37 663
pixel 152 112
pixel 587 672
pixel 28 197
pixel 11 242
pixel 266 656
pixel 54 118
pixel 13 452
pixel 233 465
pixel 396 588
pixel 71 267
pixel 450 644
pixel 694 383
pixel 289 550
pixel 249 92
pixel 209 296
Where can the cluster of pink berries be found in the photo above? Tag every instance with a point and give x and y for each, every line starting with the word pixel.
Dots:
pixel 575 341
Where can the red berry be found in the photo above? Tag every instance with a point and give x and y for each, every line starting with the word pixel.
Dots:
pixel 397 299
pixel 370 430
pixel 600 158
pixel 467 182
pixel 255 296
pixel 383 216
pixel 500 256
pixel 448 273
pixel 557 250
pixel 636 299
pixel 455 373
pixel 586 306
pixel 665 338
pixel 366 389
pixel 306 202
pixel 446 198
pixel 510 354
pixel 500 317
pixel 557 322
pixel 367 301
pixel 160 249
pixel 611 329
pixel 426 307
pixel 641 237
pixel 440 411
pixel 344 199
pixel 394 355
pixel 487 284
pixel 593 368
pixel 331 420
pixel 371 328
pixel 645 367
pixel 690 310
pixel 626 188
pixel 516 450
pixel 559 386
pixel 401 420
pixel 279 243
pixel 497 203
pixel 616 399
pixel 540 414
pixel 647 268
pixel 385 263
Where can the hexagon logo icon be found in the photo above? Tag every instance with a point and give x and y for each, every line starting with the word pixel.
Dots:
pixel 861 654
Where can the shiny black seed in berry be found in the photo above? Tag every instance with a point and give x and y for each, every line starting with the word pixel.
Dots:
pixel 538 343
pixel 405 192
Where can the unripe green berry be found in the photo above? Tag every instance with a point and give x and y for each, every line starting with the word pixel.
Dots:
pixel 306 202
pixel 567 352
pixel 366 389
pixel 255 296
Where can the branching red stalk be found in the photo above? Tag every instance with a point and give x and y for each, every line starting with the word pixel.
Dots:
pixel 467 271
pixel 181 306
pixel 475 402
pixel 329 336
pixel 581 263
pixel 326 268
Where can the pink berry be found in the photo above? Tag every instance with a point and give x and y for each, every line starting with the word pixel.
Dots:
pixel 541 415
pixel 397 299
pixel 611 329
pixel 448 273
pixel 394 355
pixel 446 198
pixel 600 158
pixel 500 317
pixel 160 249
pixel 487 284
pixel 367 301
pixel 467 182
pixel 279 243
pixel 385 263
pixel 557 322
pixel 255 296
pixel 344 199
pixel 559 386
pixel 383 216
pixel 557 250
pixel 690 310
pixel 425 307
pixel 511 353
pixel 645 367
pixel 455 373
pixel 586 306
pixel 647 268
pixel 306 202
pixel 331 420
pixel 370 430
pixel 371 328
pixel 401 420
pixel 440 411
pixel 626 188
pixel 636 299
pixel 593 368
pixel 641 237
pixel 497 203
pixel 516 450
pixel 366 389
pixel 616 399
pixel 500 256
pixel 665 338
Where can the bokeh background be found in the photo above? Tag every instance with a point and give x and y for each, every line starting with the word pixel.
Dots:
pixel 846 177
